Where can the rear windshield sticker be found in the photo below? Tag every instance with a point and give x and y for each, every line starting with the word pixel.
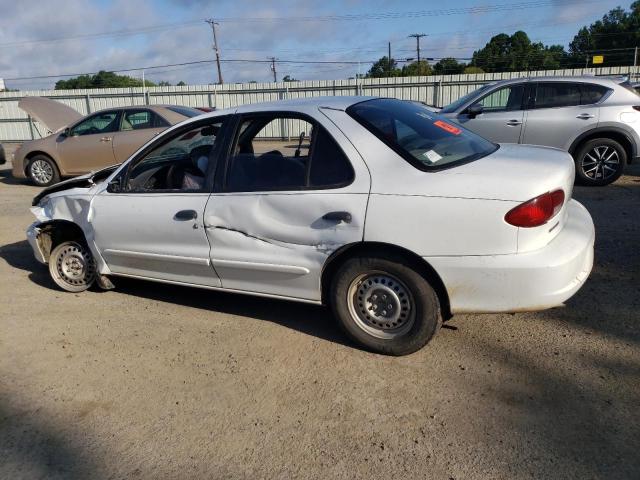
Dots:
pixel 447 127
pixel 432 156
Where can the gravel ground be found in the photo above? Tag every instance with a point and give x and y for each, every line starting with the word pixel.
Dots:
pixel 162 382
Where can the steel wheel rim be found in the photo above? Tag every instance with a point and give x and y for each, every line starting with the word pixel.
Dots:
pixel 381 305
pixel 41 171
pixel 601 162
pixel 74 266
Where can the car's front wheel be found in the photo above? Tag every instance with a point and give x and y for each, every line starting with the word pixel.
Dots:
pixel 72 266
pixel 600 161
pixel 43 171
pixel 385 304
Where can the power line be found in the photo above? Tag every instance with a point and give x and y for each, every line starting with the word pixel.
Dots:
pixel 489 8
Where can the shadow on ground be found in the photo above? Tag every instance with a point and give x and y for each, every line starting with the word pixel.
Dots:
pixel 32 446
pixel 309 319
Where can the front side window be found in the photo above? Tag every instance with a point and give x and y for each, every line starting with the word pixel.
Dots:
pixel 423 138
pixel 503 100
pixel 181 163
pixel 453 106
pixel 105 122
pixel 556 94
pixel 285 152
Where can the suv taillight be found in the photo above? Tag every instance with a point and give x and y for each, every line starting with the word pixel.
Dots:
pixel 536 211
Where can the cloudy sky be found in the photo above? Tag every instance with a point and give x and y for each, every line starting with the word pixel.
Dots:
pixel 77 36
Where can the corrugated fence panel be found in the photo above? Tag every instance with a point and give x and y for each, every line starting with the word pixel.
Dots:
pixel 435 90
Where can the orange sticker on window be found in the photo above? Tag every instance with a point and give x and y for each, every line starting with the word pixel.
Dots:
pixel 447 127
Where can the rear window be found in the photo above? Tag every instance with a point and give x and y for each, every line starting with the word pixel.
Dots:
pixel 424 139
pixel 185 111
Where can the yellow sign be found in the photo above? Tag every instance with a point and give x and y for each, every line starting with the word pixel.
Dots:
pixel 598 59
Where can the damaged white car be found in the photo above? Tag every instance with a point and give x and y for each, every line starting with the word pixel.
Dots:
pixel 377 207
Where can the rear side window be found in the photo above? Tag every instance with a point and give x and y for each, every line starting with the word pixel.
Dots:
pixel 285 152
pixel 559 94
pixel 424 139
pixel 592 93
pixel 141 119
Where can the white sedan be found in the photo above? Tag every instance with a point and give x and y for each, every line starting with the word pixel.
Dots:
pixel 380 208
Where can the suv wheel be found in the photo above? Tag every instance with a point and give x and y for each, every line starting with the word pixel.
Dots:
pixel 385 305
pixel 43 171
pixel 600 161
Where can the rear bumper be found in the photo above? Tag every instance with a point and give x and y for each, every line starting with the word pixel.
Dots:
pixel 530 281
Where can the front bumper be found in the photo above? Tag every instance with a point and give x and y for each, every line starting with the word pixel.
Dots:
pixel 32 236
pixel 529 281
pixel 17 165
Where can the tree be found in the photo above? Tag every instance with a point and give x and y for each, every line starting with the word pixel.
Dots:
pixel 288 78
pixel 102 79
pixel 517 52
pixel 615 37
pixel 414 69
pixel 472 69
pixel 384 68
pixel 448 66
pixel 180 84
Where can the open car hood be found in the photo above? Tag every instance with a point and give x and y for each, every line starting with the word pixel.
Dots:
pixel 52 114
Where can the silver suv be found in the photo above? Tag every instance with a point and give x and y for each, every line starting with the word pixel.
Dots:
pixel 597 120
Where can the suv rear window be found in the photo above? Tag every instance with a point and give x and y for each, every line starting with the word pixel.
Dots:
pixel 424 139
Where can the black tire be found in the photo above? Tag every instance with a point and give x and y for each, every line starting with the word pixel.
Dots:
pixel 352 297
pixel 595 159
pixel 43 171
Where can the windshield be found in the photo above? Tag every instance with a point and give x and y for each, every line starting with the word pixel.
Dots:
pixel 423 138
pixel 452 107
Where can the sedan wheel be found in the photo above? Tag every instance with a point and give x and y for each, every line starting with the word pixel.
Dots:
pixel 381 305
pixel 600 162
pixel 385 303
pixel 43 171
pixel 72 267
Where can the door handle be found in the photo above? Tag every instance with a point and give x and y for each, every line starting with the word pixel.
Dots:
pixel 585 116
pixel 105 139
pixel 514 123
pixel 338 217
pixel 183 215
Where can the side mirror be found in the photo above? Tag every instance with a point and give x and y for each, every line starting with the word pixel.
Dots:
pixel 114 186
pixel 475 110
pixel 66 132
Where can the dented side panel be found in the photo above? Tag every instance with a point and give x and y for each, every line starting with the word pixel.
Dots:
pixel 278 243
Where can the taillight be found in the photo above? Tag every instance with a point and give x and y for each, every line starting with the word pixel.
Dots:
pixel 536 211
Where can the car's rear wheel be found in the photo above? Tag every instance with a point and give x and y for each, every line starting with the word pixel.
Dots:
pixel 72 266
pixel 43 171
pixel 384 304
pixel 600 161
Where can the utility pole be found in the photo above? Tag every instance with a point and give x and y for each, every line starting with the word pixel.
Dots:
pixel 213 24
pixel 635 56
pixel 273 68
pixel 389 59
pixel 418 36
